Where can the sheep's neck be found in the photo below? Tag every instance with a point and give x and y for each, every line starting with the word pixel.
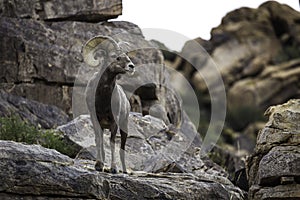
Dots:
pixel 103 96
pixel 106 85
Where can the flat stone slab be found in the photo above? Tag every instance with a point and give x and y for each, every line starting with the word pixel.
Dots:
pixel 36 172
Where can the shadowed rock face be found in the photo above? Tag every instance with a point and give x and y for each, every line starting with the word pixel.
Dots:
pixel 37 114
pixel 273 169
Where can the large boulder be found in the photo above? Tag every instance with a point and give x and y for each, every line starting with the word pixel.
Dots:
pixel 273 169
pixel 151 146
pixel 32 171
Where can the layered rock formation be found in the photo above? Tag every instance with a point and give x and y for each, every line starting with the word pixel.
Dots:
pixel 33 172
pixel 257 53
pixel 41 60
pixel 273 169
pixel 59 10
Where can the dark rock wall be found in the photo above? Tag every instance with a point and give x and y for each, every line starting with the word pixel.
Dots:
pixel 41 54
pixel 35 113
pixel 40 59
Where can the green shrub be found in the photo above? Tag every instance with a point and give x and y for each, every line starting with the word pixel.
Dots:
pixel 15 129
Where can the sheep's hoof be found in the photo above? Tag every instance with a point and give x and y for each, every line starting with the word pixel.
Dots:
pixel 99 166
pixel 125 172
pixel 113 171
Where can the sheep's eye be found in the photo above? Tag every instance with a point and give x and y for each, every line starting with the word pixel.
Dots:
pixel 118 58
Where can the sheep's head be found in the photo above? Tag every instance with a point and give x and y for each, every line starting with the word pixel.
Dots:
pixel 105 51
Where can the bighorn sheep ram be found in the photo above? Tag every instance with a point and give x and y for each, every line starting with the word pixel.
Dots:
pixel 106 101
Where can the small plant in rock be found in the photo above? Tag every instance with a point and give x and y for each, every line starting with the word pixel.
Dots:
pixel 15 129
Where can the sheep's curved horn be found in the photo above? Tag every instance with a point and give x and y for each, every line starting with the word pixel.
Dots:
pixel 92 45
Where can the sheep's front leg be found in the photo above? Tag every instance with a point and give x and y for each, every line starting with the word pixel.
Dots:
pixel 122 149
pixel 99 150
pixel 100 154
pixel 113 131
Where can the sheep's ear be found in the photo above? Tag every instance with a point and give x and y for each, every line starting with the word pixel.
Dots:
pixel 96 45
pixel 132 54
pixel 125 46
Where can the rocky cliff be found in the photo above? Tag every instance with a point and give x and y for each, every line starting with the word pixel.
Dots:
pixel 41 43
pixel 43 76
pixel 42 57
pixel 257 54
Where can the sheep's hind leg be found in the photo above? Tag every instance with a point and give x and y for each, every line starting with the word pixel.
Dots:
pixel 122 149
pixel 100 154
pixel 113 132
pixel 99 151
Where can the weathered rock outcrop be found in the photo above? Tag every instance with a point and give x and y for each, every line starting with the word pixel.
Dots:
pixel 273 169
pixel 42 58
pixel 48 66
pixel 33 172
pixel 257 53
pixel 59 10
pixel 38 114
pixel 151 145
